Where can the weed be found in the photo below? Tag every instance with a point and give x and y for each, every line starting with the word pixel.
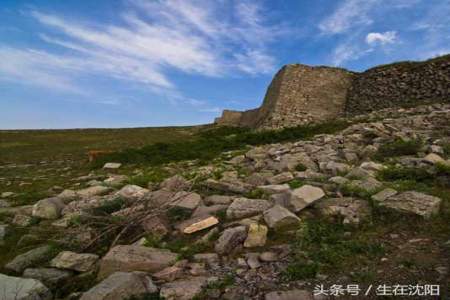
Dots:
pixel 398 147
pixel 405 173
pixel 176 214
pixel 443 169
pixel 109 207
pixel 256 194
pixel 300 167
pixel 296 183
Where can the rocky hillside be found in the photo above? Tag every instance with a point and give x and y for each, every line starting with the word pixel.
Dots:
pixel 340 214
pixel 301 94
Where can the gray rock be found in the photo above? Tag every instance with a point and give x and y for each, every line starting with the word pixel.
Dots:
pixel 184 289
pixel 359 173
pixel 29 259
pixel 186 200
pixel 211 259
pixel 274 188
pixel 4 203
pixel 22 220
pixel 339 180
pixel 169 274
pixel 278 217
pixel 93 191
pixel 281 178
pixel 135 258
pixel 218 200
pixel 121 285
pixel 352 210
pixel 175 183
pixel 112 166
pixel 208 210
pixel 49 208
pixel 3 233
pixel 257 236
pixel 68 195
pixel 230 239
pixel 229 186
pixel 243 207
pixel 384 194
pixel 115 180
pixel 412 202
pixel 304 196
pixel 268 256
pixel 132 192
pixel 289 295
pixel 52 278
pixel 369 185
pixel 15 288
pixel 81 262
pixel 433 158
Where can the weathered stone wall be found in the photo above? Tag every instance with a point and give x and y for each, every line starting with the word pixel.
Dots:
pixel 301 94
pixel 400 84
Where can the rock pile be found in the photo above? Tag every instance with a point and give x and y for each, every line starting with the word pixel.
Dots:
pixel 268 190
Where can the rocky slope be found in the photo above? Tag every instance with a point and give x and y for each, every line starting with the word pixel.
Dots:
pixel 368 205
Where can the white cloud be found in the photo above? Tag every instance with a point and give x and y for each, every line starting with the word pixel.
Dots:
pixel 349 14
pixel 146 42
pixel 387 37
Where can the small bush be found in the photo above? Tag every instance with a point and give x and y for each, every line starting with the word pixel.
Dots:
pixel 446 148
pixel 443 169
pixel 300 271
pixel 300 167
pixel 398 147
pixel 109 207
pixel 405 173
pixel 296 183
pixel 176 214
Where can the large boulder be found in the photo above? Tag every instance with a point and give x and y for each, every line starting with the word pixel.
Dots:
pixel 304 196
pixel 127 258
pixel 49 208
pixel 121 285
pixel 52 278
pixel 15 288
pixel 413 202
pixel 81 262
pixel 230 239
pixel 243 207
pixel 279 217
pixel 29 259
pixel 183 289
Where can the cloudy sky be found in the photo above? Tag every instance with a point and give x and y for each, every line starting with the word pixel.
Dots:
pixel 129 63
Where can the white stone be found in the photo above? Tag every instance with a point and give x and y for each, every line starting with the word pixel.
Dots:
pixel 304 196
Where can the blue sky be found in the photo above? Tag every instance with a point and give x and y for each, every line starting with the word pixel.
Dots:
pixel 131 63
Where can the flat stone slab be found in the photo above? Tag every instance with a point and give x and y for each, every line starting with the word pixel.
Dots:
pixel 197 224
pixel 412 202
pixel 304 196
pixel 184 289
pixel 121 285
pixel 243 208
pixel 16 288
pixel 112 165
pixel 81 262
pixel 279 217
pixel 128 258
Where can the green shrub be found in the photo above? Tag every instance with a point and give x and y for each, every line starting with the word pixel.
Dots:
pixel 208 144
pixel 398 147
pixel 300 167
pixel 405 173
pixel 109 207
pixel 296 183
pixel 176 214
pixel 443 169
pixel 446 148
pixel 300 271
pixel 256 194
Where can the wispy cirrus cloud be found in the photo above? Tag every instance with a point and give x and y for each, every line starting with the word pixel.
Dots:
pixel 149 40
